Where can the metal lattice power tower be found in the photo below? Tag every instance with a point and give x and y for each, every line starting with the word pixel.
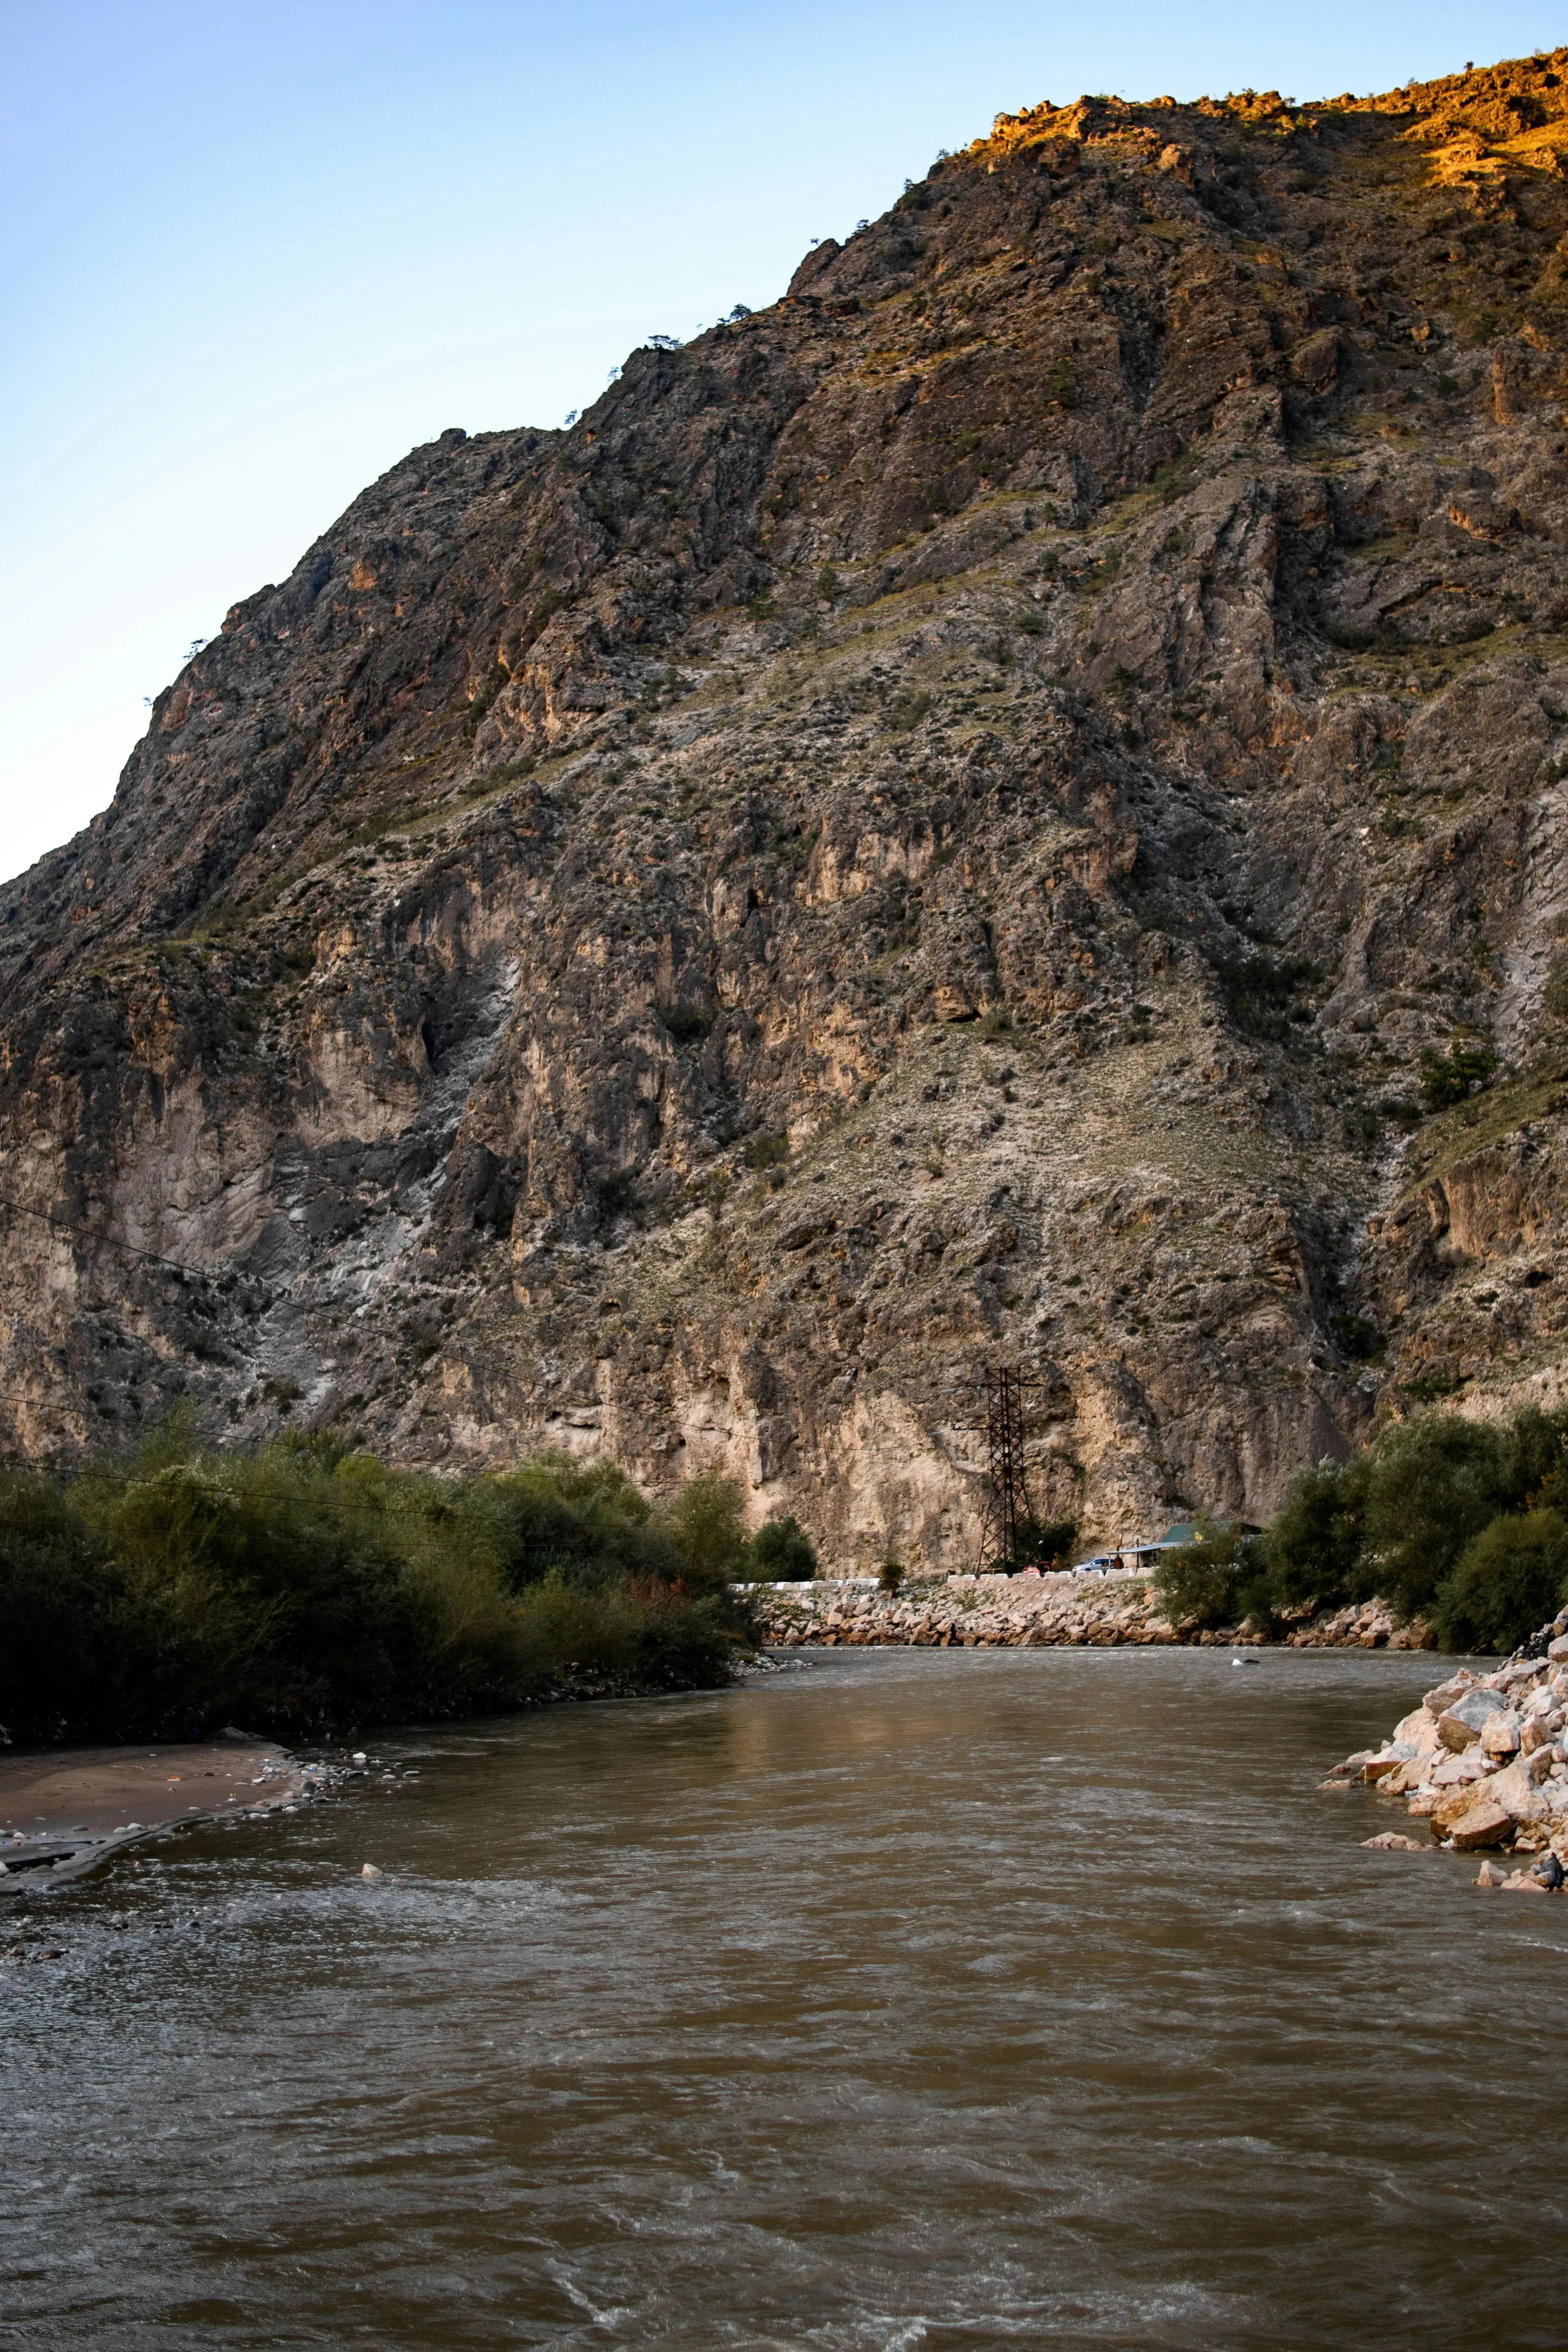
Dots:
pixel 1008 1527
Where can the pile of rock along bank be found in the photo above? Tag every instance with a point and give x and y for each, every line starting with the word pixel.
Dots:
pixel 1030 1611
pixel 1483 1762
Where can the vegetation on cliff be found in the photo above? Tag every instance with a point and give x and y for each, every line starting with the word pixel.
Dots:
pixel 302 1587
pixel 1462 1522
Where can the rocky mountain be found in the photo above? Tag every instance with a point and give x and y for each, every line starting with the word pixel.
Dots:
pixel 1009 808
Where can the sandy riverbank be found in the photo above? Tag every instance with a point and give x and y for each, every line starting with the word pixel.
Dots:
pixel 64 1811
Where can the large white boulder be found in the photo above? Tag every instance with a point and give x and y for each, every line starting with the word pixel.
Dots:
pixel 1461 1724
pixel 1516 1792
pixel 1420 1728
pixel 1483 1824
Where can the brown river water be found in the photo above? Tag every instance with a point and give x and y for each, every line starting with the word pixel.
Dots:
pixel 902 1999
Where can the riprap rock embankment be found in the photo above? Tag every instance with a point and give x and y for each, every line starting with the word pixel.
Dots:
pixel 1031 1613
pixel 1483 1762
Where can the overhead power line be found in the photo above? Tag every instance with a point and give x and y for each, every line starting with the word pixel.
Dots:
pixel 108 1241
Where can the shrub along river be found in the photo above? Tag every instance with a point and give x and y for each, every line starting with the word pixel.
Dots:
pixel 904 1998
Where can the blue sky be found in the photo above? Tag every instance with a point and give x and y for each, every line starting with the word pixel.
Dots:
pixel 252 254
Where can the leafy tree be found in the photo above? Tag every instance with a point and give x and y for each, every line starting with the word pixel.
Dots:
pixel 709 1531
pixel 1510 1580
pixel 1433 1483
pixel 781 1553
pixel 1045 1543
pixel 1397 1521
pixel 1197 1585
pixel 1535 1454
pixel 1221 1579
pixel 1313 1551
pixel 299 1587
pixel 585 1521
pixel 70 1644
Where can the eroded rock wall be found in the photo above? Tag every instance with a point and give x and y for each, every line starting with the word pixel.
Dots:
pixel 936 826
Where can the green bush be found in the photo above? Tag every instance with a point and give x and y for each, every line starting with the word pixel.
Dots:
pixel 300 1588
pixel 1041 1543
pixel 71 1644
pixel 1061 386
pixel 276 1599
pixel 1050 1542
pixel 585 1521
pixel 1413 1521
pixel 907 709
pixel 782 1552
pixel 1214 1581
pixel 1432 1483
pixel 1454 1078
pixel 1508 1582
pixel 709 1531
pixel 1195 1588
pixel 891 1577
pixel 1357 1338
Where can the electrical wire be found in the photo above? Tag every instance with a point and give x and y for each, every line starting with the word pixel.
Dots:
pixel 110 1241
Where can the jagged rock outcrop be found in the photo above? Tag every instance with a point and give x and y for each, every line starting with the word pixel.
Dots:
pixel 937 824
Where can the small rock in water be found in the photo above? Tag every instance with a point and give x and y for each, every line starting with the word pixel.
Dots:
pixel 358 1757
pixel 1391 1841
pixel 1491 1875
pixel 370 1871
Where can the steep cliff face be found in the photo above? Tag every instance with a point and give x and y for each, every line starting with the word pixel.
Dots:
pixel 936 826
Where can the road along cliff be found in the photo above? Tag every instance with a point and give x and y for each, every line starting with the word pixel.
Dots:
pixel 1008 806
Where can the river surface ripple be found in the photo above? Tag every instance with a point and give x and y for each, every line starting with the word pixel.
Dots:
pixel 905 1999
